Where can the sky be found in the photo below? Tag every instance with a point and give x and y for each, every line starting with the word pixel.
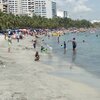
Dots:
pixel 80 9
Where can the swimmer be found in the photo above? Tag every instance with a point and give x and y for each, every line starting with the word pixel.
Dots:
pixel 83 41
pixel 64 47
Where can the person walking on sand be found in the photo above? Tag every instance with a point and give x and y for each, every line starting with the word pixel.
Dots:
pixel 18 37
pixel 37 57
pixel 74 44
pixel 5 35
pixel 9 43
pixel 34 44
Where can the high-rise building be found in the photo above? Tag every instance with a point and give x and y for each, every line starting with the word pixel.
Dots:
pixel 14 7
pixel 44 8
pixel 50 9
pixel 40 8
pixel 65 14
pixel 0 1
pixel 54 9
pixel 3 1
pixel 27 7
pixel 3 6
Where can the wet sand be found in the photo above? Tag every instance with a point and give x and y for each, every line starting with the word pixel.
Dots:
pixel 21 78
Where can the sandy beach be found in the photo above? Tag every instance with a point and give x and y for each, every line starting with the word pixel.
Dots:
pixel 21 78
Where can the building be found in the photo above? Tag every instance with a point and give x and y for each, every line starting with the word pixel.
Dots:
pixel 43 8
pixel 14 7
pixel 51 10
pixel 3 6
pixel 54 9
pixel 40 8
pixel 3 1
pixel 65 14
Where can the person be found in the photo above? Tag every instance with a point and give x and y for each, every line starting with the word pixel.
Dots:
pixel 34 44
pixel 83 41
pixel 9 43
pixel 37 57
pixel 58 39
pixel 97 35
pixel 18 36
pixel 48 36
pixel 5 35
pixel 64 47
pixel 74 44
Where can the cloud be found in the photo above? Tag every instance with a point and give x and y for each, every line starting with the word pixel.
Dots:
pixel 81 8
pixel 74 6
pixel 59 13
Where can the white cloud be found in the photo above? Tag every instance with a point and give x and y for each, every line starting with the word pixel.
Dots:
pixel 59 13
pixel 70 1
pixel 81 8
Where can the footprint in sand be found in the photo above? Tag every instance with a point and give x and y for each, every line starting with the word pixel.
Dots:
pixel 1 62
pixel 19 96
pixel 7 95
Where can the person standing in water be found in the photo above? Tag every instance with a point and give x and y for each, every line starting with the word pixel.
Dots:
pixel 74 45
pixel 58 39
pixel 64 47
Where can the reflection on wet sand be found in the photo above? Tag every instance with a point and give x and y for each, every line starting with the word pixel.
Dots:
pixel 73 58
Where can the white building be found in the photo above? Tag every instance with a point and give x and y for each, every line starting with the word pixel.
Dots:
pixel 40 8
pixel 3 6
pixel 44 8
pixel 14 7
pixel 51 10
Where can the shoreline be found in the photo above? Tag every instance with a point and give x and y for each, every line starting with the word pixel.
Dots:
pixel 22 77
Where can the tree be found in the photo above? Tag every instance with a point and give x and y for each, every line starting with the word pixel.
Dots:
pixel 11 21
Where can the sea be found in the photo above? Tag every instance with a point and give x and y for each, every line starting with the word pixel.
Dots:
pixel 87 55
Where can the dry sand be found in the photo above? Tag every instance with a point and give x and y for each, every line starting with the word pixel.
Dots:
pixel 21 78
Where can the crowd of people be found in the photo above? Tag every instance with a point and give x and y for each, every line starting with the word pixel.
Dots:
pixel 36 34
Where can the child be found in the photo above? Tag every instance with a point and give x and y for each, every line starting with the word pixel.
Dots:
pixel 37 57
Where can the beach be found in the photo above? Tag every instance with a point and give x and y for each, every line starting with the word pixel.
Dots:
pixel 21 78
